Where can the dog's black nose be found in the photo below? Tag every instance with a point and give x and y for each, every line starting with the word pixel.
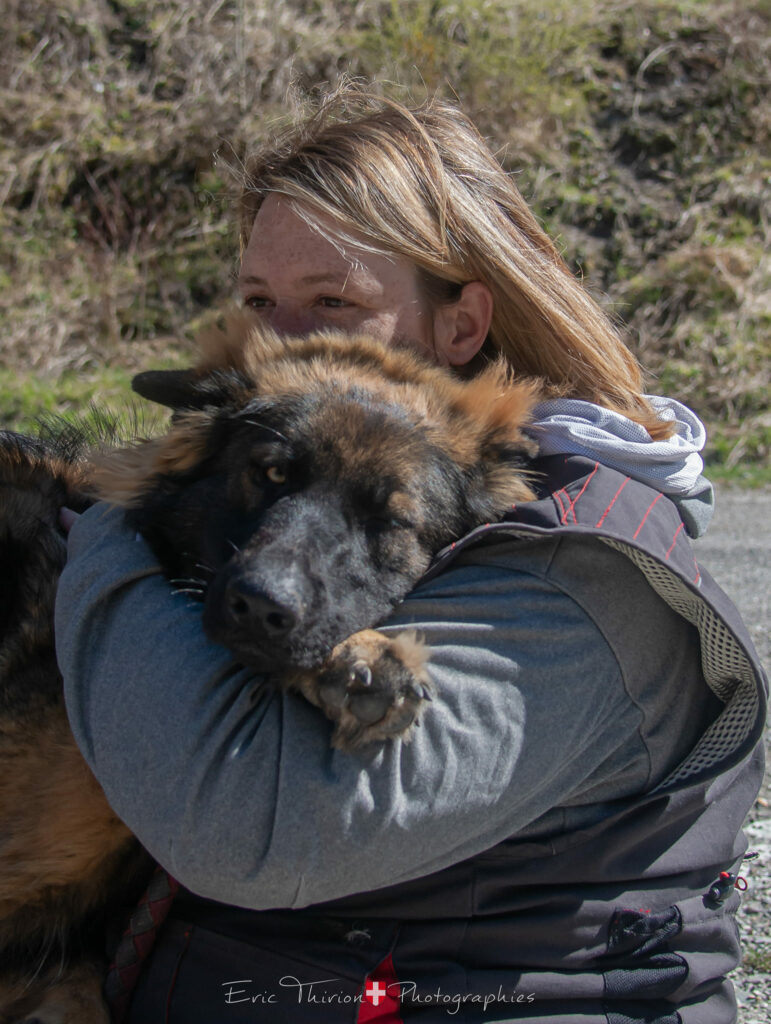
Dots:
pixel 251 608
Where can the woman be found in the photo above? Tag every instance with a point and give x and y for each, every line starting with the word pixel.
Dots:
pixel 550 845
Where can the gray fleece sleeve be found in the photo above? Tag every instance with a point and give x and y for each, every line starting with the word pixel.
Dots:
pixel 233 785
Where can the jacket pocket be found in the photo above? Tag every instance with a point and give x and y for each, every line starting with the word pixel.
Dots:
pixel 670 966
pixel 198 976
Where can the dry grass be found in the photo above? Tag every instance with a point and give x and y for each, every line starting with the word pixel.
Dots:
pixel 638 130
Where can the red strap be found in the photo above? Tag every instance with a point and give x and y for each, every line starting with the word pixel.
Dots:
pixel 137 942
pixel 381 998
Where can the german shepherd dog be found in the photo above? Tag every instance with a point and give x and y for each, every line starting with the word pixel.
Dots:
pixel 299 493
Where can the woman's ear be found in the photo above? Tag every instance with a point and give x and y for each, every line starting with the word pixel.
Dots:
pixel 460 327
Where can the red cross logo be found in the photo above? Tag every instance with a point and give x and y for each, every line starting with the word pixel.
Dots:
pixel 375 991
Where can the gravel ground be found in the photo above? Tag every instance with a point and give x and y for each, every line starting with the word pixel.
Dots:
pixel 737 552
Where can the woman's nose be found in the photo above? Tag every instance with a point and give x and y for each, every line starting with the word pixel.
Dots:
pixel 291 319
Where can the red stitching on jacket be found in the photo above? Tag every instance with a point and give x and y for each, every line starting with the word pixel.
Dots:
pixel 565 511
pixel 562 507
pixel 647 513
pixel 674 541
pixel 601 520
pixel 572 507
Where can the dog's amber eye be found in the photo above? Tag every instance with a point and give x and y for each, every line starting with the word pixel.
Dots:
pixel 275 474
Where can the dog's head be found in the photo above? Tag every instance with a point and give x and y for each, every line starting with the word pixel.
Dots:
pixel 305 484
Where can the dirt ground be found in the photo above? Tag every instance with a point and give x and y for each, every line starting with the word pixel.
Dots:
pixel 737 552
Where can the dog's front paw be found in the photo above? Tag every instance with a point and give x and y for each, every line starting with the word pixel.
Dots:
pixel 373 687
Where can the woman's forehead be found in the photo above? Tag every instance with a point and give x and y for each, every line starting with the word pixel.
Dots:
pixel 312 249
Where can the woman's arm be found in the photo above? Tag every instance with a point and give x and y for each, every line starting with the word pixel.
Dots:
pixel 232 785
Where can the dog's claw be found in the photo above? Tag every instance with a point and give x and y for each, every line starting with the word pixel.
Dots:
pixel 361 674
pixel 373 688
pixel 420 691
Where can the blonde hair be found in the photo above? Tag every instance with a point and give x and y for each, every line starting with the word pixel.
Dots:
pixel 422 183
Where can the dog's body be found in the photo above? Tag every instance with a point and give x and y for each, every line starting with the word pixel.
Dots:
pixel 61 846
pixel 300 493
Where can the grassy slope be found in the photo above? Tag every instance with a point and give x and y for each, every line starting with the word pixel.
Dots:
pixel 637 130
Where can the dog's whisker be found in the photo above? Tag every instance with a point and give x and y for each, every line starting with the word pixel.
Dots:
pixel 235 547
pixel 264 426
pixel 45 953
pixel 206 568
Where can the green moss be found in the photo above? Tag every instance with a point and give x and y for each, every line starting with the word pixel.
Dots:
pixel 26 396
pixel 507 59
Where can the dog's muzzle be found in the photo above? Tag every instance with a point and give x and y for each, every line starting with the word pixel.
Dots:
pixel 255 612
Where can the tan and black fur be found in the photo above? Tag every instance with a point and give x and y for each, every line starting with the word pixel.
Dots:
pixel 61 846
pixel 300 492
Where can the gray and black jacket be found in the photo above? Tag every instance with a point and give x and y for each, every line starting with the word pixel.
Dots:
pixel 558 843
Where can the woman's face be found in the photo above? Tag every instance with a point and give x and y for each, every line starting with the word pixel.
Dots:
pixel 298 281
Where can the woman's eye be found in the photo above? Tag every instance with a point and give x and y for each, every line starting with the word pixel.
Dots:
pixel 256 302
pixel 276 475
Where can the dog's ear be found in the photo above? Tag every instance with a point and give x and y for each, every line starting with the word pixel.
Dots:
pixel 123 476
pixel 234 349
pixel 189 389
